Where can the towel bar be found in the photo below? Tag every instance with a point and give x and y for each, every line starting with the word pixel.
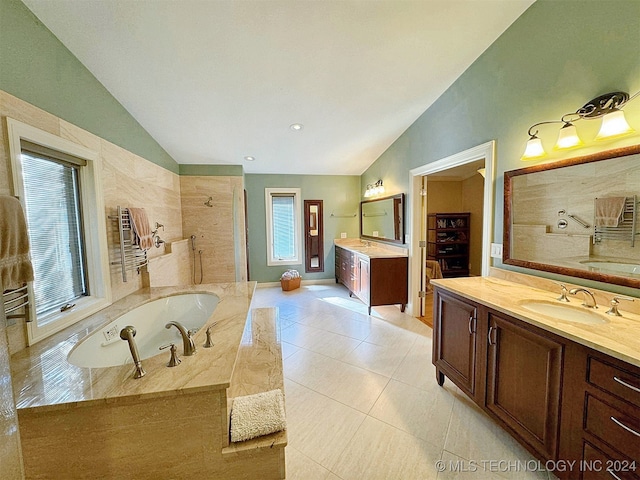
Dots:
pixel 626 229
pixel 131 256
pixel 13 300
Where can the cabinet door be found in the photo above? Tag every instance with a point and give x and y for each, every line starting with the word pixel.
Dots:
pixel 364 281
pixel 454 341
pixel 523 382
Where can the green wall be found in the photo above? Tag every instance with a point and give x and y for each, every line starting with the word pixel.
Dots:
pixel 37 68
pixel 553 59
pixel 340 195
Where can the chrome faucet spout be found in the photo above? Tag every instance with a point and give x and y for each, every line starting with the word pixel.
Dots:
pixel 588 295
pixel 127 333
pixel 188 345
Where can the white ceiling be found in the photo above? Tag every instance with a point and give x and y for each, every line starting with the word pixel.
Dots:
pixel 216 80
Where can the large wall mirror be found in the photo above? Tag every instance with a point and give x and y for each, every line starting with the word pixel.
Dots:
pixel 313 236
pixel 383 219
pixel 577 217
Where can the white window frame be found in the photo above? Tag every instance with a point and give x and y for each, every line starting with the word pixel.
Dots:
pixel 94 226
pixel 269 193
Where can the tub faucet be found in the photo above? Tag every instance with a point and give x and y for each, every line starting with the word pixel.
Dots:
pixel 587 295
pixel 127 333
pixel 188 344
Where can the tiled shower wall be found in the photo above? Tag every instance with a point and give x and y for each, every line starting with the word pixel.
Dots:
pixel 219 229
pixel 128 180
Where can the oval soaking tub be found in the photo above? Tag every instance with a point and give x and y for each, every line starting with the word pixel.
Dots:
pixel 104 348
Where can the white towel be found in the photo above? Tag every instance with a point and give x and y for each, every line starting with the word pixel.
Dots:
pixel 256 415
pixel 609 211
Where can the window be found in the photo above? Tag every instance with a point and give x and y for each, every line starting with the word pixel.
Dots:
pixel 58 184
pixel 283 226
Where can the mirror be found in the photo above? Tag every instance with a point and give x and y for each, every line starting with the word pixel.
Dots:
pixel 383 218
pixel 314 236
pixel 577 217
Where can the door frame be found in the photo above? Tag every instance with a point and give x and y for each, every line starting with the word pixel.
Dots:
pixel 486 151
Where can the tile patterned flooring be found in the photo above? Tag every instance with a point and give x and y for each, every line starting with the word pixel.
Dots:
pixel 363 403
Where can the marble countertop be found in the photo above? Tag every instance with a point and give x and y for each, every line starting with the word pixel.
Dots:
pixel 619 337
pixel 376 250
pixel 43 379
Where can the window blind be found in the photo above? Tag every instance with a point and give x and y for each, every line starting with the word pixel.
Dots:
pixel 52 208
pixel 283 226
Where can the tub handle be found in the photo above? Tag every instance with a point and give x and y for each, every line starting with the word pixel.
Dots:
pixel 174 361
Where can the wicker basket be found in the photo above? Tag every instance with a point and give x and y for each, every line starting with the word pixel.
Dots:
pixel 290 284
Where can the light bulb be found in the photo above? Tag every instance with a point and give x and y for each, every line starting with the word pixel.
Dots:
pixel 568 137
pixel 534 149
pixel 614 124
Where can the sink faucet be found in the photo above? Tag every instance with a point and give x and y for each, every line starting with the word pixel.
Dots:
pixel 127 333
pixel 189 347
pixel 587 295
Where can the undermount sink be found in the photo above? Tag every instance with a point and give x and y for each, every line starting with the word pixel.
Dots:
pixel 564 312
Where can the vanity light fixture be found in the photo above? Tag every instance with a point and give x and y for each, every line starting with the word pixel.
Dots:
pixel 374 189
pixel 607 107
pixel 482 171
pixel 249 158
pixel 296 127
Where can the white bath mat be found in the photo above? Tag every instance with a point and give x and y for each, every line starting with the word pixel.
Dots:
pixel 256 415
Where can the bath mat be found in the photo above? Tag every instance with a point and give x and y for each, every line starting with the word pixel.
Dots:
pixel 256 415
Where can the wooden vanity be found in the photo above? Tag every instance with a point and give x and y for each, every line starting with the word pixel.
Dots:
pixel 566 392
pixel 376 275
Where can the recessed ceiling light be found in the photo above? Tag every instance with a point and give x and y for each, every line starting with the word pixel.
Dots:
pixel 249 158
pixel 296 127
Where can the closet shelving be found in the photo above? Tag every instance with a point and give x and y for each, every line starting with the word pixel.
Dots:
pixel 448 242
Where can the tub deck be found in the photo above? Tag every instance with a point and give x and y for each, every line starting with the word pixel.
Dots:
pixel 173 422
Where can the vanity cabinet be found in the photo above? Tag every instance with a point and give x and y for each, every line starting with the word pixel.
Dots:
pixel 374 280
pixel 560 400
pixel 456 345
pixel 524 370
pixel 601 415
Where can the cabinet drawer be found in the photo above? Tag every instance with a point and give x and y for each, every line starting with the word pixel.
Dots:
pixel 621 383
pixel 596 465
pixel 618 429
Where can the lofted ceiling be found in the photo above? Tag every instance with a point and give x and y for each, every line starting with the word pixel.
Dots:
pixel 214 81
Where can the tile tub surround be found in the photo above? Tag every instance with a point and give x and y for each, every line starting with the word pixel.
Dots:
pixel 619 337
pixel 38 370
pixel 142 431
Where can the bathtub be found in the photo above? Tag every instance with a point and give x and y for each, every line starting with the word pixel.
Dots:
pixel 104 348
pixel 614 267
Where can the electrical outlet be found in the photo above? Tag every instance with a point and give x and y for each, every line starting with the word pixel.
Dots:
pixel 496 250
pixel 343 235
pixel 407 238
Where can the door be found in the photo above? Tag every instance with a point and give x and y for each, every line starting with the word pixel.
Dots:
pixel 523 383
pixel 313 236
pixel 455 352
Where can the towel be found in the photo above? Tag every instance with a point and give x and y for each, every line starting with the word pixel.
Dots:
pixel 433 270
pixel 609 211
pixel 141 230
pixel 256 415
pixel 15 264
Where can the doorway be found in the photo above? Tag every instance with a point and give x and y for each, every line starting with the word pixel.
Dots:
pixel 313 236
pixel 418 220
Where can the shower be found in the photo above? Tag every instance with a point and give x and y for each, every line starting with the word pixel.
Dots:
pixel 193 249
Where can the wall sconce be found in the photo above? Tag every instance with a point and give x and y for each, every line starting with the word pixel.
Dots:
pixel 605 106
pixel 374 189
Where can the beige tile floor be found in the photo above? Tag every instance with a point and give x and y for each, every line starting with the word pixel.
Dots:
pixel 363 403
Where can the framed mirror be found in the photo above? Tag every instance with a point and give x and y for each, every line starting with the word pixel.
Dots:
pixel 577 217
pixel 313 236
pixel 383 218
